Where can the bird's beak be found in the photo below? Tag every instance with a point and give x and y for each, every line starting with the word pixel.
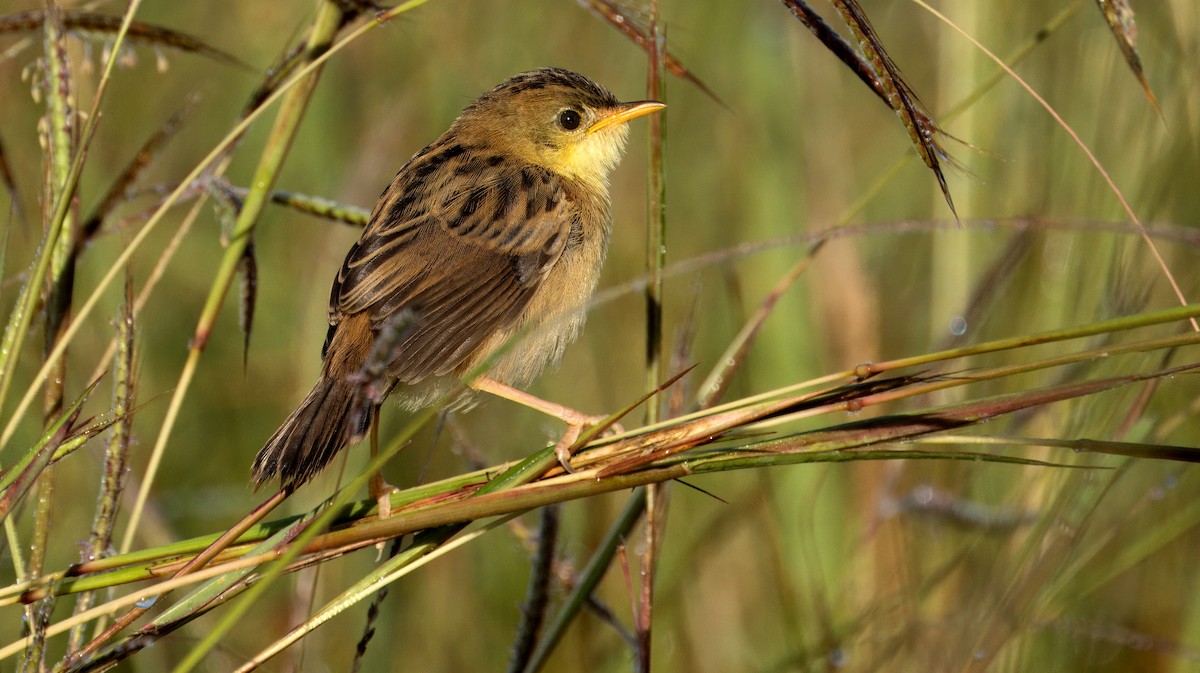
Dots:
pixel 623 113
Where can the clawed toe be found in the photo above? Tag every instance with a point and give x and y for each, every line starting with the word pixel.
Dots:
pixel 382 491
pixel 576 425
pixel 562 448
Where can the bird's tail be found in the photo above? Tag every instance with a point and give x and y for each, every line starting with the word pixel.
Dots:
pixel 330 417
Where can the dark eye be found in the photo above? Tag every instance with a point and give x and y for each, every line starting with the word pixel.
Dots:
pixel 570 119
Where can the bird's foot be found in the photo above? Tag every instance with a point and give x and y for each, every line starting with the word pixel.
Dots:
pixel 382 491
pixel 577 422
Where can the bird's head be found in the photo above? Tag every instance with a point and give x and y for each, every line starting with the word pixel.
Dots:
pixel 557 119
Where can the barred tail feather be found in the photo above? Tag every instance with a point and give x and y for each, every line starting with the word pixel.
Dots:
pixel 324 423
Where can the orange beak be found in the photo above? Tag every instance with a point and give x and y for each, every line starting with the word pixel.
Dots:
pixel 623 113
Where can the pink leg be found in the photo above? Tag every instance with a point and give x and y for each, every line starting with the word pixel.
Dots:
pixel 575 420
pixel 378 487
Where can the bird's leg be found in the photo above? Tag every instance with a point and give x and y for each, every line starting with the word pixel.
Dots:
pixel 576 421
pixel 378 487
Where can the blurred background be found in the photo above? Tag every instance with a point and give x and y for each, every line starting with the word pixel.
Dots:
pixel 857 566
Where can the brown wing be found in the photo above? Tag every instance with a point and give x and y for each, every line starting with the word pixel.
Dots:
pixel 453 255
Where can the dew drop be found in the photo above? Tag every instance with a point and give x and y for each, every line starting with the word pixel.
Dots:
pixel 147 603
pixel 958 325
pixel 923 495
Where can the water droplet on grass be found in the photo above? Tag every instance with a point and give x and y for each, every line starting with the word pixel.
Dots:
pixel 958 325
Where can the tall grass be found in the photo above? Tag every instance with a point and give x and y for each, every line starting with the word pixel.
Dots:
pixel 983 481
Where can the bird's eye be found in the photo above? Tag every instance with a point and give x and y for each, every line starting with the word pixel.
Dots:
pixel 570 119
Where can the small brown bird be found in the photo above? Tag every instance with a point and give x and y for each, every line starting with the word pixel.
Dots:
pixel 496 229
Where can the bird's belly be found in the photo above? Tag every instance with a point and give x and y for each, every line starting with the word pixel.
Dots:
pixel 551 321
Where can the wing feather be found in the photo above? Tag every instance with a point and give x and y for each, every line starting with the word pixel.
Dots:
pixel 464 255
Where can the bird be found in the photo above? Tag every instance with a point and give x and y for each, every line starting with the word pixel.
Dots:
pixel 494 232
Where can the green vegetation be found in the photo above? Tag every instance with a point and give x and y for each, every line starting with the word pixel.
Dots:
pixel 907 443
